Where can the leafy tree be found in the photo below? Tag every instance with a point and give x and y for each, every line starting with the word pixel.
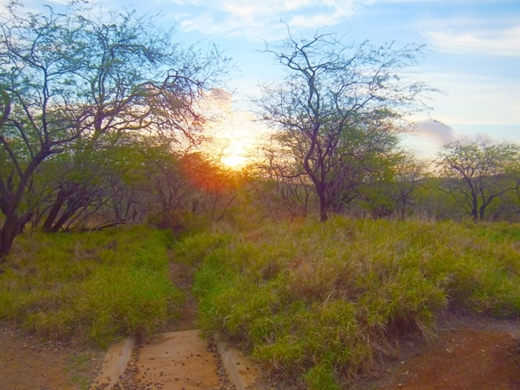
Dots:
pixel 432 202
pixel 339 107
pixel 216 186
pixel 171 192
pixel 363 169
pixel 479 173
pixel 68 80
pixel 408 172
pixel 281 181
pixel 79 187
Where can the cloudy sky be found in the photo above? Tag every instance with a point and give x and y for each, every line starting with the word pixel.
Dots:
pixel 473 50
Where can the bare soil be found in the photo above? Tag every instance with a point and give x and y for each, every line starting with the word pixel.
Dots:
pixel 468 354
pixel 464 359
pixel 27 363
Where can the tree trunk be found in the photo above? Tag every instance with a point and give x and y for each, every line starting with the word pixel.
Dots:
pixel 55 210
pixel 322 196
pixel 12 227
pixel 64 218
pixel 474 210
pixel 7 236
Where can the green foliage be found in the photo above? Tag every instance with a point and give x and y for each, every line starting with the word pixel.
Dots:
pixel 92 287
pixel 326 302
pixel 83 83
pixel 481 172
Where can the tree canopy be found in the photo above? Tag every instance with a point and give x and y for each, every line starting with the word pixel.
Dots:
pixel 338 110
pixel 481 172
pixel 72 82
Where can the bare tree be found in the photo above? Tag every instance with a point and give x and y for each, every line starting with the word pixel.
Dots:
pixel 333 93
pixel 409 170
pixel 282 181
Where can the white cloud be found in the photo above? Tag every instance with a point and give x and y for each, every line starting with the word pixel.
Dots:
pixel 440 134
pixel 472 2
pixel 260 19
pixel 505 41
pixel 34 6
pixel 319 20
pixel 435 131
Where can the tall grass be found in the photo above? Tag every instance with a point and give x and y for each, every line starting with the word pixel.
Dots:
pixel 91 287
pixel 325 303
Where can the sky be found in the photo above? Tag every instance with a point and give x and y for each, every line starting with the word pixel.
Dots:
pixel 473 55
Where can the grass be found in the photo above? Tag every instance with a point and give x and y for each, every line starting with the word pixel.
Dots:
pixel 325 303
pixel 92 288
pixel 79 366
pixel 321 303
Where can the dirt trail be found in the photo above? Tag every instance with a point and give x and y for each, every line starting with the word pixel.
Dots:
pixel 470 353
pixel 167 361
pixel 27 363
pixel 174 360
pixel 478 356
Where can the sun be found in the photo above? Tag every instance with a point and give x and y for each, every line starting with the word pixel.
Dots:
pixel 234 161
pixel 234 135
pixel 234 156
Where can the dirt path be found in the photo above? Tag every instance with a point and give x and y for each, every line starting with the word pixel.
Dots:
pixel 29 364
pixel 469 353
pixel 482 355
pixel 174 361
pixel 177 358
pixel 464 359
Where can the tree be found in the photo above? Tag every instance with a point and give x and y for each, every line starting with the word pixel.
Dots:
pixel 409 170
pixel 69 80
pixel 215 185
pixel 338 107
pixel 281 182
pixel 479 173
pixel 78 187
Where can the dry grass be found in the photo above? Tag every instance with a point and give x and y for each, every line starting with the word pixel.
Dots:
pixel 324 303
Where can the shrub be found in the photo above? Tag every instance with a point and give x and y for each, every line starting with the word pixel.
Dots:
pixel 327 302
pixel 90 287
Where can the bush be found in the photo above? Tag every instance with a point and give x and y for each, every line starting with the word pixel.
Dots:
pixel 91 287
pixel 327 302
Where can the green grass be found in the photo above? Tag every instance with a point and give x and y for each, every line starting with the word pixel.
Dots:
pixel 79 368
pixel 92 288
pixel 325 303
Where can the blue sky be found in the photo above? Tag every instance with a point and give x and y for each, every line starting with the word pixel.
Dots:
pixel 473 51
